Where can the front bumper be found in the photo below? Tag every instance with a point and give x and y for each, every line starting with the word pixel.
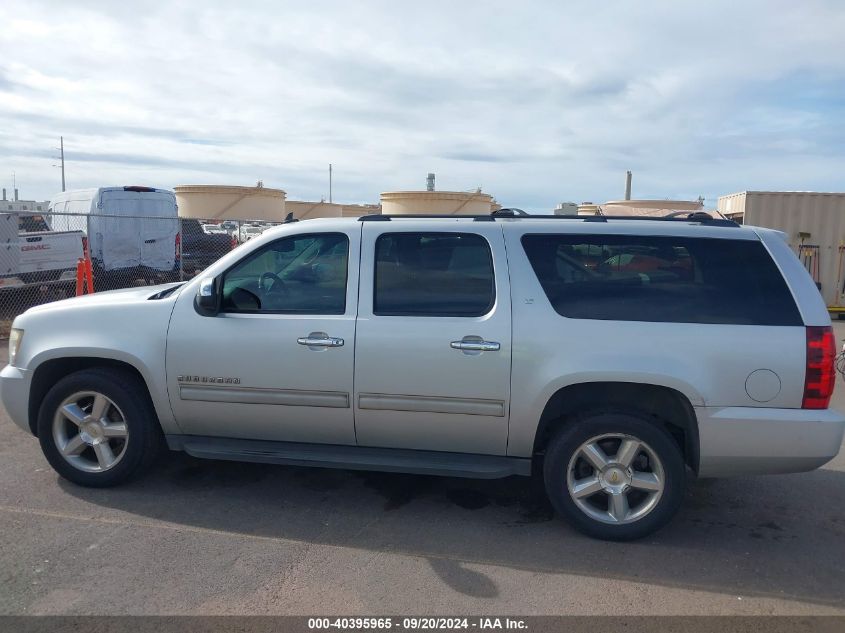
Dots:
pixel 14 393
pixel 760 441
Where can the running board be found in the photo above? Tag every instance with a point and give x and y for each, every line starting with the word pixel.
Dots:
pixel 352 457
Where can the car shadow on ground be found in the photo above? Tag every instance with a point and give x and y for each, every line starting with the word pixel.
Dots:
pixel 777 536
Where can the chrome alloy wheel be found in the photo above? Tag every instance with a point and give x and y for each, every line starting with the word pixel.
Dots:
pixel 615 478
pixel 90 432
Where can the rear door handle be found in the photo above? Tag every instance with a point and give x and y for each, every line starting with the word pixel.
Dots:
pixel 318 339
pixel 476 346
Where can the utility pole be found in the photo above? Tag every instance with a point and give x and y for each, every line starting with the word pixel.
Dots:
pixel 61 157
pixel 330 183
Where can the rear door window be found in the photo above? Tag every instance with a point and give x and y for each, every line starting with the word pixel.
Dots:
pixel 661 279
pixel 433 274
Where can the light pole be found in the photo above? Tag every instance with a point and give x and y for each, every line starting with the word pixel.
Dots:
pixel 61 164
pixel 62 150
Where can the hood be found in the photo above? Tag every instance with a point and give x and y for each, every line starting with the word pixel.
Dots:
pixel 109 297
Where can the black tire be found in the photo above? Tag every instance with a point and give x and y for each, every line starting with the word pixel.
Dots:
pixel 562 450
pixel 129 394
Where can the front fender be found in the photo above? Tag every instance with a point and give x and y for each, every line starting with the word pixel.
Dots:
pixel 125 327
pixel 155 383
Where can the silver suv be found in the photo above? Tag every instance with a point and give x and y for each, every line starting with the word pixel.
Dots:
pixel 609 356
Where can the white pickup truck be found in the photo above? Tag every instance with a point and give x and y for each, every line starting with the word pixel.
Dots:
pixel 31 253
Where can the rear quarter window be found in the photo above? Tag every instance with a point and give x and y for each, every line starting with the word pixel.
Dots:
pixel 661 279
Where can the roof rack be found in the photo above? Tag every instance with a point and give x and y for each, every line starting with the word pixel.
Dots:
pixel 701 218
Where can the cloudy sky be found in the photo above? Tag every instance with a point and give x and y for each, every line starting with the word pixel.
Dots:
pixel 535 102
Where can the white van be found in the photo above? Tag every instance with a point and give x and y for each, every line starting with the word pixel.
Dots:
pixel 132 231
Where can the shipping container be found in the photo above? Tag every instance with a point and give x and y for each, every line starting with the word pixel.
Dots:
pixel 814 224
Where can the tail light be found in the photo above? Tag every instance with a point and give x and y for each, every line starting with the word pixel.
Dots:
pixel 84 246
pixel 234 242
pixel 178 245
pixel 820 376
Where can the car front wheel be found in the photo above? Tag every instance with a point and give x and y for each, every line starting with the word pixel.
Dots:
pixel 98 428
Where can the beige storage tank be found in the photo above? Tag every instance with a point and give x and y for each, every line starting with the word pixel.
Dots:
pixel 588 208
pixel 229 202
pixel 357 210
pixel 650 208
pixel 436 202
pixel 814 224
pixel 309 210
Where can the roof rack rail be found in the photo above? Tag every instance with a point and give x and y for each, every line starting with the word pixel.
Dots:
pixel 509 212
pixel 424 216
pixel 698 217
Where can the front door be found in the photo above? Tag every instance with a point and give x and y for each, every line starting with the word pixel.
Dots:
pixel 277 362
pixel 433 343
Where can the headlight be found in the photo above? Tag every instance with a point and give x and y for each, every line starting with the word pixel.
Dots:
pixel 15 337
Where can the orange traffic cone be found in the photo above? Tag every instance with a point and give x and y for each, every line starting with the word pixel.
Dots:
pixel 84 276
pixel 80 277
pixel 89 274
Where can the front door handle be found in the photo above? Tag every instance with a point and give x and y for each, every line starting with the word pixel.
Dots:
pixel 320 339
pixel 476 346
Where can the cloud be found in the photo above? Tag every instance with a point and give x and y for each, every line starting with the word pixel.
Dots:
pixel 538 102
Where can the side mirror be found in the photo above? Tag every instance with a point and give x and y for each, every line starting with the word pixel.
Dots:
pixel 285 246
pixel 207 301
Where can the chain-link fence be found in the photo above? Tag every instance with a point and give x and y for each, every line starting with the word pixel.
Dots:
pixel 50 256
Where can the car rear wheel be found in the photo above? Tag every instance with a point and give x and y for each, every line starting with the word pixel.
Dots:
pixel 614 476
pixel 98 428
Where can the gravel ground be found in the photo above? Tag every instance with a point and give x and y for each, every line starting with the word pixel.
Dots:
pixel 202 537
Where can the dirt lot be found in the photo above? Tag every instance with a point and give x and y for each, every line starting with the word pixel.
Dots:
pixel 200 537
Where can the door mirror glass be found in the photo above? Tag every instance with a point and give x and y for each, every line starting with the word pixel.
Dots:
pixel 284 246
pixel 207 299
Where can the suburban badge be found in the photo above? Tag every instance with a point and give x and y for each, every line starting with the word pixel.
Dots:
pixel 209 380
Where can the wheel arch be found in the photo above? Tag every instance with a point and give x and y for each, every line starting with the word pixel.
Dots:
pixel 51 370
pixel 663 405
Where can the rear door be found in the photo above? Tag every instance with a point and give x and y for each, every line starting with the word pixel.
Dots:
pixel 159 227
pixel 140 228
pixel 433 337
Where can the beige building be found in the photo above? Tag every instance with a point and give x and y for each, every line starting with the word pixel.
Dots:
pixel 14 204
pixel 814 225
